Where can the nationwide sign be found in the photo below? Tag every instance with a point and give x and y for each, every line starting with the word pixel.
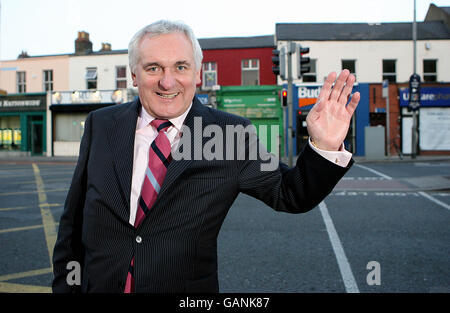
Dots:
pixel 429 97
pixel 19 102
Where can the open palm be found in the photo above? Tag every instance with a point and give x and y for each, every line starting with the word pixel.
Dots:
pixel 329 119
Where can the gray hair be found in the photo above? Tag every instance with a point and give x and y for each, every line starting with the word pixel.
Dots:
pixel 159 28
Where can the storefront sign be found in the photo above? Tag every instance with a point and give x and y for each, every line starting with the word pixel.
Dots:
pixel 307 95
pixel 429 97
pixel 22 103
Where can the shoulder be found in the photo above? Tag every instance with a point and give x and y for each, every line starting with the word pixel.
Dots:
pixel 106 113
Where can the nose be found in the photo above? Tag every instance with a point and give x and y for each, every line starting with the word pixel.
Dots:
pixel 167 80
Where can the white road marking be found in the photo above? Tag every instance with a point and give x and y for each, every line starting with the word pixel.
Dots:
pixel 423 194
pixel 445 205
pixel 374 171
pixel 344 266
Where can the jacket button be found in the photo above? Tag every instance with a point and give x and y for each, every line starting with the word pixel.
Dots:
pixel 138 239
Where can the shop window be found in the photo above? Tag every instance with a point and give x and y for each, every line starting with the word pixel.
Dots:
pixel 121 77
pixel 209 75
pixel 429 70
pixel 48 80
pixel 349 65
pixel 250 72
pixel 389 71
pixel 21 82
pixel 10 133
pixel 91 78
pixel 69 127
pixel 311 76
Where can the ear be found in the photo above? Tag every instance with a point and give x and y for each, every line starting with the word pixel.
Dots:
pixel 133 76
pixel 198 79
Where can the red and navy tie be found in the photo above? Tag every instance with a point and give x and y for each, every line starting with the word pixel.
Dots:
pixel 158 162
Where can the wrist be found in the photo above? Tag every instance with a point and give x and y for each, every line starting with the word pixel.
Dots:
pixel 322 147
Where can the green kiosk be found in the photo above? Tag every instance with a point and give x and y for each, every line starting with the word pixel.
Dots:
pixel 262 106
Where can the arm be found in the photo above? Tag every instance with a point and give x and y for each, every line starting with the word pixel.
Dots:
pixel 303 187
pixel 68 246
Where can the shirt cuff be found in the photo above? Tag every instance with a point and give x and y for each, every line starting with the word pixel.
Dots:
pixel 341 157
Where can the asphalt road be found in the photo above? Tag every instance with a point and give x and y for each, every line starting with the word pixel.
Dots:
pixel 383 229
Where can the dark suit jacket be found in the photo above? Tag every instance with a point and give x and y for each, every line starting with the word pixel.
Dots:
pixel 178 251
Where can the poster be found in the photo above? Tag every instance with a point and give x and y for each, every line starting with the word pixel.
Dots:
pixel 434 129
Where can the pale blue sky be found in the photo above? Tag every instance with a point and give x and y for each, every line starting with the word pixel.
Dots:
pixel 43 27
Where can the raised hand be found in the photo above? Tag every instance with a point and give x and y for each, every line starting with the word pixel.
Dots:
pixel 329 119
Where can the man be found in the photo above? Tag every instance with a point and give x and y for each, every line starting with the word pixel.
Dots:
pixel 136 218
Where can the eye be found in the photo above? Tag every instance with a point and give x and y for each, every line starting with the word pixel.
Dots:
pixel 181 68
pixel 152 69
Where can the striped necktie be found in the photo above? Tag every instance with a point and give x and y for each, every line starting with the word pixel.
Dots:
pixel 158 162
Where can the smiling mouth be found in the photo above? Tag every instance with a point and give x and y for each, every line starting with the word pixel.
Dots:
pixel 167 95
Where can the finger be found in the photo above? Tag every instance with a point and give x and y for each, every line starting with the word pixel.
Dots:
pixel 351 107
pixel 340 82
pixel 326 88
pixel 343 98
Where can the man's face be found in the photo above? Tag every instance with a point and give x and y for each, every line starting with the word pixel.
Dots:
pixel 166 75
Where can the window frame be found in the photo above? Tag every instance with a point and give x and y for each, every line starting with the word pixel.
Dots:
pixel 311 76
pixel 207 68
pixel 430 74
pixel 47 84
pixel 21 81
pixel 121 79
pixel 354 66
pixel 389 75
pixel 251 68
pixel 91 79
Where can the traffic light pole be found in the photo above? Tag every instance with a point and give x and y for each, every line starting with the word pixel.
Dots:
pixel 289 103
pixel 414 133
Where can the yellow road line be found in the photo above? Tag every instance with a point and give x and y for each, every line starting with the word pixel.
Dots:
pixel 8 230
pixel 47 217
pixel 19 288
pixel 30 191
pixel 46 174
pixel 27 182
pixel 26 274
pixel 29 207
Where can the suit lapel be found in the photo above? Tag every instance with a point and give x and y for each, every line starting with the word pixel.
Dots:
pixel 121 140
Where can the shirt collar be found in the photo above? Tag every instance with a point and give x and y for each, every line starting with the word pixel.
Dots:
pixel 177 122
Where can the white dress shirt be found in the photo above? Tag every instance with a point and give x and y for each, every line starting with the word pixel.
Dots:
pixel 145 134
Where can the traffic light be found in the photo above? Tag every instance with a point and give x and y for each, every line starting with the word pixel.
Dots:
pixel 276 62
pixel 303 63
pixel 414 92
pixel 284 97
pixel 279 63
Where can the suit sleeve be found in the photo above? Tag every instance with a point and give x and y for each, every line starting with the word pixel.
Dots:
pixel 294 190
pixel 68 245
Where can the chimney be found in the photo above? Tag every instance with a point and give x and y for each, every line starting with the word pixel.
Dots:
pixel 105 46
pixel 23 55
pixel 82 44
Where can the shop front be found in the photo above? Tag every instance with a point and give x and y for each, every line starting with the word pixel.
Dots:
pixel 68 112
pixel 23 124
pixel 305 95
pixel 433 120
